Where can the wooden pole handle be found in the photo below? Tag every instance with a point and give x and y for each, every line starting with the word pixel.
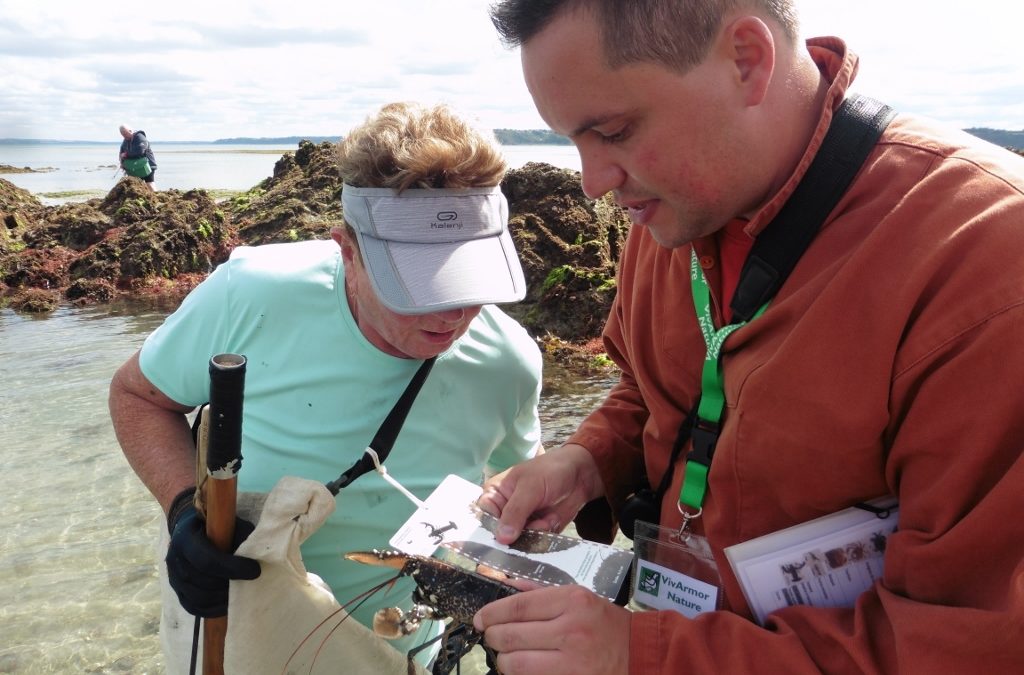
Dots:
pixel 223 459
pixel 220 528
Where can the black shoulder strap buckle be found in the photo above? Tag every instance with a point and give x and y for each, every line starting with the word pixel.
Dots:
pixel 705 438
pixel 854 131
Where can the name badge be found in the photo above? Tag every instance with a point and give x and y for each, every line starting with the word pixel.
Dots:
pixel 657 587
pixel 684 578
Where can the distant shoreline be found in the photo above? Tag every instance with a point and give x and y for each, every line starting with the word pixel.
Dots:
pixel 507 137
pixel 504 136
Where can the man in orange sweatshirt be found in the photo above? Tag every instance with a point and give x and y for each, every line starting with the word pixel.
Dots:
pixel 888 364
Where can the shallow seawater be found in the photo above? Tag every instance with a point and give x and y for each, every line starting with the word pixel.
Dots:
pixel 78 585
pixel 77 589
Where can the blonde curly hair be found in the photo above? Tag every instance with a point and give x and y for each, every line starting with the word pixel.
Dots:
pixel 409 145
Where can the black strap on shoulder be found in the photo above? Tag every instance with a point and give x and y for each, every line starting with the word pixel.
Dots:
pixel 386 435
pixel 855 128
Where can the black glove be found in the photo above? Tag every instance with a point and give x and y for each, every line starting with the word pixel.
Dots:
pixel 197 571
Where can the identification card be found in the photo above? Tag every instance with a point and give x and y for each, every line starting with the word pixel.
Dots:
pixel 673 571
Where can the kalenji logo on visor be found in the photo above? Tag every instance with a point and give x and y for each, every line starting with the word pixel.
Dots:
pixel 446 221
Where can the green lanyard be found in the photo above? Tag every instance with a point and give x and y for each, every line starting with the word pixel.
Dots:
pixel 712 396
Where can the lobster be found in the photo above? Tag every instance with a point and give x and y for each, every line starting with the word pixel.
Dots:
pixel 444 591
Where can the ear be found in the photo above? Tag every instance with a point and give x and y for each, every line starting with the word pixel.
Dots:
pixel 750 46
pixel 341 236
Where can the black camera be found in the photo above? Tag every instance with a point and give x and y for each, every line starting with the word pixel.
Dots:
pixel 644 505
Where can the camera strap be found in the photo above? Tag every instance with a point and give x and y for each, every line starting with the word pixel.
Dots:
pixel 854 131
pixel 386 435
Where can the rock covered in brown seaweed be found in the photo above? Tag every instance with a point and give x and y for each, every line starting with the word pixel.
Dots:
pixel 139 242
pixel 122 244
pixel 300 201
pixel 569 246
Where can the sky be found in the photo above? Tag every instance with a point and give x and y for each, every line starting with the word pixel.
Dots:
pixel 191 70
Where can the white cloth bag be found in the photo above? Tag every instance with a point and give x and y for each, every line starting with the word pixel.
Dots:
pixel 270 616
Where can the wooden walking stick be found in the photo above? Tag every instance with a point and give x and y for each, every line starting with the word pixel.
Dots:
pixel 220 487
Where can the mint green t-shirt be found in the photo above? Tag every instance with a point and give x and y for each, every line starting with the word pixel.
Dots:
pixel 316 392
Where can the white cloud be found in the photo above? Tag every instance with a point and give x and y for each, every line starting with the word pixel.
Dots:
pixel 201 70
pixel 954 61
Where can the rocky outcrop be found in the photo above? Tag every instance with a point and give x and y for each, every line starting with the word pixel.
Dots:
pixel 134 241
pixel 300 201
pixel 139 242
pixel 569 246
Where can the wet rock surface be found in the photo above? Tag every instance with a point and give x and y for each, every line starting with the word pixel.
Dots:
pixel 136 242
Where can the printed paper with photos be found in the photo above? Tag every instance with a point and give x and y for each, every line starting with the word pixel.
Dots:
pixel 826 562
pixel 450 518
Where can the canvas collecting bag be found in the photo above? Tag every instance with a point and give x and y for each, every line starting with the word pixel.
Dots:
pixel 288 619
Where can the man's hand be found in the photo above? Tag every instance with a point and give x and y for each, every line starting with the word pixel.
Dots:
pixel 563 629
pixel 543 493
pixel 197 571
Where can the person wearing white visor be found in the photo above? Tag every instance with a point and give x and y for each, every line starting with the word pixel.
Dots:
pixel 435 249
pixel 333 332
pixel 430 257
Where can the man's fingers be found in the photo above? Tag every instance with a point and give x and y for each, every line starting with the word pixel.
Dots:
pixel 533 605
pixel 563 629
pixel 529 662
pixel 542 493
pixel 548 522
pixel 527 504
pixel 523 637
pixel 492 501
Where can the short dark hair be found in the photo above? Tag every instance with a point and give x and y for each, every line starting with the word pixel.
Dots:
pixel 675 33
